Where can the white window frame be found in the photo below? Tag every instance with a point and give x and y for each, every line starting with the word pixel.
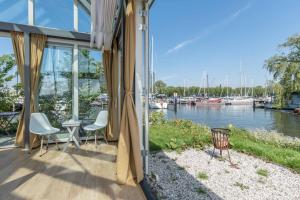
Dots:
pixel 31 13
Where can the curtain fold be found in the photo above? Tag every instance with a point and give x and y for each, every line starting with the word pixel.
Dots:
pixel 107 71
pixel 114 99
pixel 110 61
pixel 102 15
pixel 129 161
pixel 18 46
pixel 37 44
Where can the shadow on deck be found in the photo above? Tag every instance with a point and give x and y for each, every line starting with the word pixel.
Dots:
pixel 88 173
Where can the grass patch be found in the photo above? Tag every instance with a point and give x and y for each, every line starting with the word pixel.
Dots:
pixel 262 172
pixel 201 191
pixel 179 135
pixel 202 175
pixel 241 186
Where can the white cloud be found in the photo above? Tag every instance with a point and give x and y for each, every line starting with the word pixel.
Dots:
pixel 180 45
pixel 210 29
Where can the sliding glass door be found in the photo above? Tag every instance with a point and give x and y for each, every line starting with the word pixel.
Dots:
pixel 92 86
pixel 55 88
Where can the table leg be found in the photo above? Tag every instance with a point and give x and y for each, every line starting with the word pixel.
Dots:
pixel 71 131
pixel 69 138
pixel 75 139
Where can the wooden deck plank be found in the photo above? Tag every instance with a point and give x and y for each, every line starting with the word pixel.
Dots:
pixel 88 173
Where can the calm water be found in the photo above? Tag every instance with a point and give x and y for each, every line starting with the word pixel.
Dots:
pixel 240 116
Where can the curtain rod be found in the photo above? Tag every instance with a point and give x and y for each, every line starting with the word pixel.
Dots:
pixel 54 33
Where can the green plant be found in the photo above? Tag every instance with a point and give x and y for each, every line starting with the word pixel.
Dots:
pixel 173 135
pixel 201 190
pixel 263 172
pixel 202 175
pixel 241 186
pixel 157 118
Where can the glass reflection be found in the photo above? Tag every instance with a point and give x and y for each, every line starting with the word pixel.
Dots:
pixel 92 86
pixel 55 92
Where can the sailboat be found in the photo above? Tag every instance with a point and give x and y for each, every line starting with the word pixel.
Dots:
pixel 242 99
pixel 155 103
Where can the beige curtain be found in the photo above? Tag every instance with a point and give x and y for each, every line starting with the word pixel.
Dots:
pixel 18 45
pixel 107 71
pixel 37 45
pixel 129 162
pixel 114 99
pixel 110 61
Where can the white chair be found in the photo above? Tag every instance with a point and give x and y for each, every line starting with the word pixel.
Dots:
pixel 100 123
pixel 40 125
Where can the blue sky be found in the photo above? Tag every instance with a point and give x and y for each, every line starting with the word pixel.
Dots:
pixel 194 37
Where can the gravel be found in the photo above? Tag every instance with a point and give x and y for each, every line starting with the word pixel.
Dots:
pixel 192 174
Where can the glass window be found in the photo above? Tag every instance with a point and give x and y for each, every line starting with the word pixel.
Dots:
pixel 14 11
pixel 84 20
pixel 55 92
pixel 54 14
pixel 92 85
pixel 11 93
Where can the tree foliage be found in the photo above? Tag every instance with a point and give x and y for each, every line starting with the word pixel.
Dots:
pixel 285 68
pixel 161 87
pixel 7 63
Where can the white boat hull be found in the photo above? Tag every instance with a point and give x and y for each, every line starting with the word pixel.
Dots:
pixel 156 105
pixel 240 101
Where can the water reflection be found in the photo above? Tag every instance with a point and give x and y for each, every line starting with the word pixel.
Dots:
pixel 240 116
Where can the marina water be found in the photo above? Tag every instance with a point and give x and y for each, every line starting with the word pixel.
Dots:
pixel 242 116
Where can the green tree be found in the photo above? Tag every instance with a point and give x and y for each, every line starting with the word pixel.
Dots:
pixel 7 62
pixel 285 67
pixel 160 86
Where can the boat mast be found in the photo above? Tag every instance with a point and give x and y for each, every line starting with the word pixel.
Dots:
pixel 204 85
pixel 207 85
pixel 241 81
pixel 246 93
pixel 152 68
pixel 184 87
pixel 252 88
pixel 227 85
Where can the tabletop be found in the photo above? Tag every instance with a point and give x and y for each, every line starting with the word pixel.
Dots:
pixel 8 114
pixel 71 123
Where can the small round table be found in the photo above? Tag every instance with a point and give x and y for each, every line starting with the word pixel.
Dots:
pixel 72 126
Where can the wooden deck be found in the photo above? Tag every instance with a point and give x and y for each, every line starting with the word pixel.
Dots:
pixel 88 173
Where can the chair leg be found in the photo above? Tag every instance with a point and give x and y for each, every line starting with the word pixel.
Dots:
pixel 96 139
pixel 56 142
pixel 86 138
pixel 229 155
pixel 41 149
pixel 221 152
pixel 47 147
pixel 212 155
pixel 104 136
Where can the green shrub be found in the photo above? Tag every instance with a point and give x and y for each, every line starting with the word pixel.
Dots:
pixel 202 175
pixel 263 172
pixel 157 118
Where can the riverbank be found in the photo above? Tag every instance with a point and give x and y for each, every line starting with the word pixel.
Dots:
pixel 192 174
pixel 179 135
pixel 266 164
